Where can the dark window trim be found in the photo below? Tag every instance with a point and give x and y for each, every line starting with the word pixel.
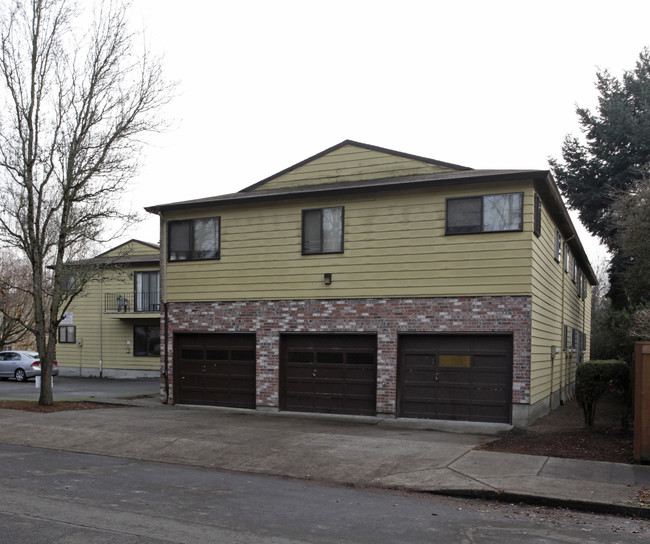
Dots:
pixel 68 339
pixel 479 229
pixel 151 299
pixel 148 354
pixel 302 236
pixel 537 220
pixel 191 223
pixel 558 246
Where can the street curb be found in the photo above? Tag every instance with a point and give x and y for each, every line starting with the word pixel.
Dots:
pixel 535 500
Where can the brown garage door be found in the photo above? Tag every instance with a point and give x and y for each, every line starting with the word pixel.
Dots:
pixel 215 369
pixel 455 377
pixel 333 373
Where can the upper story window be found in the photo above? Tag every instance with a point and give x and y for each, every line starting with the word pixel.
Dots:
pixel 558 246
pixel 322 231
pixel 489 213
pixel 194 239
pixel 147 291
pixel 537 219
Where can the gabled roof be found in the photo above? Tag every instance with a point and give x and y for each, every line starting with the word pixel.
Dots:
pixel 137 246
pixel 131 252
pixel 349 161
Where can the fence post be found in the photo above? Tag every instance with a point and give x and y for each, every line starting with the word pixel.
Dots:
pixel 642 402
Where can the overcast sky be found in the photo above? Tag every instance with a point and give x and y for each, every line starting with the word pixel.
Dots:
pixel 266 84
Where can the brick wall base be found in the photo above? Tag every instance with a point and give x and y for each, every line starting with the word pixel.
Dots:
pixel 384 317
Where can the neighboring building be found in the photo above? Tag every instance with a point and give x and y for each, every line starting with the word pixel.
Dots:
pixel 113 328
pixel 367 281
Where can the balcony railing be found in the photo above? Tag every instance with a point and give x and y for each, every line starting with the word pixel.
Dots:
pixel 132 302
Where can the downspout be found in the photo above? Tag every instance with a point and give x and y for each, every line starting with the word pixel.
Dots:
pixel 101 339
pixel 163 299
pixel 564 353
pixel 567 368
pixel 166 339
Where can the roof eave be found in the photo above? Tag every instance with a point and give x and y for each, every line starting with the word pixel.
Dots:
pixel 409 182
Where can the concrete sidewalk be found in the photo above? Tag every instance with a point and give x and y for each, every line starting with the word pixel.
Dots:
pixel 357 451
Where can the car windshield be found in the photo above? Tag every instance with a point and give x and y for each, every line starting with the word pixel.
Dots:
pixel 31 354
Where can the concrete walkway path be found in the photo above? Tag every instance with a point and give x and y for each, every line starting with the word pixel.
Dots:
pixel 422 456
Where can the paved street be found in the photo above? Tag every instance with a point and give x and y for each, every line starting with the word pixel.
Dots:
pixel 427 456
pixel 51 496
pixel 67 388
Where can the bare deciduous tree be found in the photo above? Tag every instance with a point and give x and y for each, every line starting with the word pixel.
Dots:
pixel 15 302
pixel 75 108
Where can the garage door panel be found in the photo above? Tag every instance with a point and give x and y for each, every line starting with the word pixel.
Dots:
pixel 301 371
pixel 215 369
pixel 333 373
pixel 460 377
pixel 328 388
pixel 324 372
pixel 492 360
pixel 300 386
pixel 361 375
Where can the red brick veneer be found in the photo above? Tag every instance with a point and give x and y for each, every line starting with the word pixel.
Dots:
pixel 385 317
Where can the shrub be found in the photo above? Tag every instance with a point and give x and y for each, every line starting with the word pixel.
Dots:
pixel 594 379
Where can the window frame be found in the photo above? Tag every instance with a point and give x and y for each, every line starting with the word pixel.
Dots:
pixel 146 301
pixel 557 255
pixel 537 216
pixel 307 211
pixel 67 329
pixel 191 251
pixel 480 229
pixel 140 353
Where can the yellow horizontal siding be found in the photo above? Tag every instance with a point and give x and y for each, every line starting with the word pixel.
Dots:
pixel 115 333
pixel 394 245
pixel 351 163
pixel 131 248
pixel 555 303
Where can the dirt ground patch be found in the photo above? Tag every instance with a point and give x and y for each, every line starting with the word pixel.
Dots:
pixel 562 434
pixel 63 406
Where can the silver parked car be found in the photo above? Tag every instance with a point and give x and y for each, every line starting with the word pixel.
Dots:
pixel 22 365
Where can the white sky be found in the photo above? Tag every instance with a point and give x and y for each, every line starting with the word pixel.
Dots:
pixel 265 84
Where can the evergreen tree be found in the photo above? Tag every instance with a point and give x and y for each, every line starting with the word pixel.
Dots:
pixel 609 160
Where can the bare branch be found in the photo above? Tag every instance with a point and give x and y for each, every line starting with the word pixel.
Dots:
pixel 76 106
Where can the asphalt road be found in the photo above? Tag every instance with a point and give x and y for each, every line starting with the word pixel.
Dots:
pixel 52 496
pixel 69 388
